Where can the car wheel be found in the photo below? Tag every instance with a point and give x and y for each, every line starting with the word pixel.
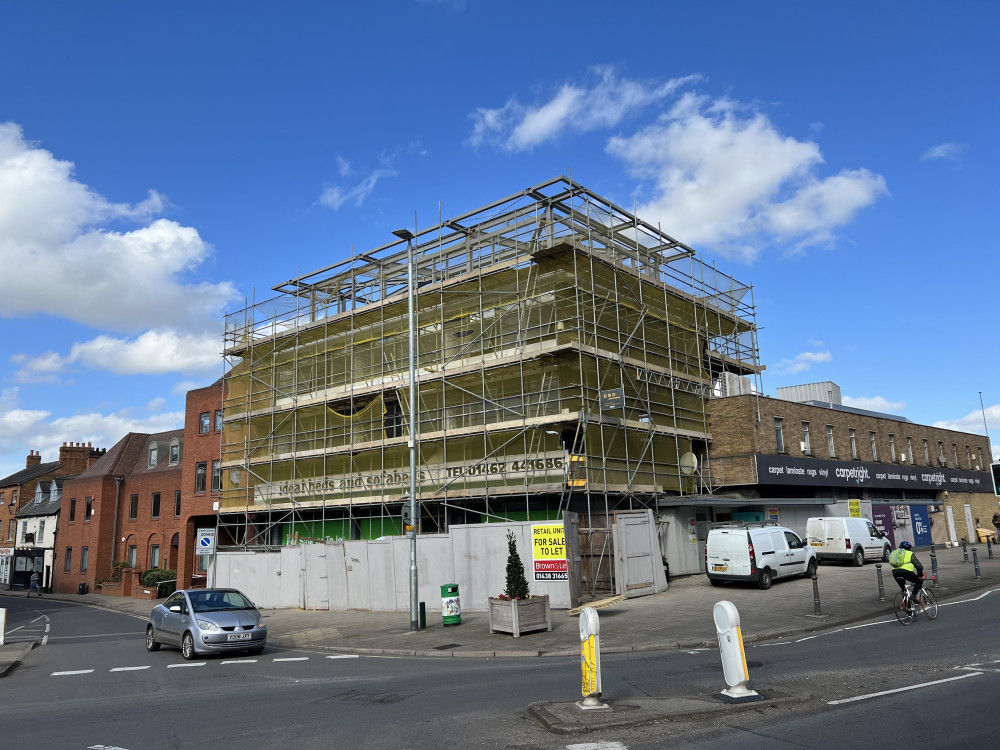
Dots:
pixel 885 553
pixel 810 569
pixel 859 557
pixel 187 647
pixel 764 581
pixel 151 644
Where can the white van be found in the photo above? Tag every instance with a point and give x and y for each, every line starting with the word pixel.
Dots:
pixel 756 553
pixel 854 539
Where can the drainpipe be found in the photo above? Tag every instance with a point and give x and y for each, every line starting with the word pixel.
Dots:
pixel 114 539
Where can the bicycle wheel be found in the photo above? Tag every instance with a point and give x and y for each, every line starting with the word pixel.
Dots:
pixel 903 614
pixel 929 604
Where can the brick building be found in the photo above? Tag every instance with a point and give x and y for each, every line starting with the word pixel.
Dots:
pixel 773 459
pixel 18 490
pixel 200 477
pixel 125 507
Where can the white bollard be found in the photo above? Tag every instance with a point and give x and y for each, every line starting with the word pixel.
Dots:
pixel 734 661
pixel 590 661
pixel 3 624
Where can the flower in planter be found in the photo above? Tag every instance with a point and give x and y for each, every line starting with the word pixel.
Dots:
pixel 517 584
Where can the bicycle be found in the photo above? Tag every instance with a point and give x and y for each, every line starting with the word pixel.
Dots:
pixel 905 606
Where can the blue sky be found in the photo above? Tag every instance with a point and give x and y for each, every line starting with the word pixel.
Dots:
pixel 162 162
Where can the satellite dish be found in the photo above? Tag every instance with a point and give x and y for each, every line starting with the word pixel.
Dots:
pixel 688 464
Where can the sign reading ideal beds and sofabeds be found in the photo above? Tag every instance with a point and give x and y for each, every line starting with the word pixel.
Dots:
pixel 812 471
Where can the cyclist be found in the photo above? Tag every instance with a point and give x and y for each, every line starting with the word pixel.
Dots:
pixel 906 567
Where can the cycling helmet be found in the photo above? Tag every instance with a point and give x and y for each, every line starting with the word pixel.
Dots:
pixel 905 545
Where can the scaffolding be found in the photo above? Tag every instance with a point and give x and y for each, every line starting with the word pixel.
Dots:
pixel 565 350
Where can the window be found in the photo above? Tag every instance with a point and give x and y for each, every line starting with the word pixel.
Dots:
pixel 871 438
pixel 909 449
pixel 175 452
pixel 13 497
pixel 927 453
pixel 941 459
pixel 954 452
pixel 829 440
pixel 199 476
pixel 203 563
pixel 89 510
pixel 72 509
pixel 152 455
pixel 177 504
pixel 968 457
pixel 133 507
pixel 203 423
pixel 11 530
pixel 892 447
pixel 218 420
pixel 854 444
pixel 779 436
pixel 980 450
pixel 154 556
pixel 68 562
pixel 41 531
pixel 2 494
pixel 216 476
pixel 156 506
pixel 235 477
pixel 24 531
pixel 130 559
pixel 84 555
pixel 805 438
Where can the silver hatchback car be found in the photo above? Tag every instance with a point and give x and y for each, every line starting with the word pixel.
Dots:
pixel 206 621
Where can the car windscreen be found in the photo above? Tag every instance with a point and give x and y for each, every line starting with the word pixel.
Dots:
pixel 218 601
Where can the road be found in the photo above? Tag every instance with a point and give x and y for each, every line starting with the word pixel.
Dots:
pixel 93 685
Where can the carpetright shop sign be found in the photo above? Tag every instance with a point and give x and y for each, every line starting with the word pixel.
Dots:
pixel 811 471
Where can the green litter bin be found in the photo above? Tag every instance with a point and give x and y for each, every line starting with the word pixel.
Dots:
pixel 451 608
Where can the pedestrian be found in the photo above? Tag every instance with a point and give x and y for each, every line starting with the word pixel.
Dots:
pixel 996 522
pixel 33 584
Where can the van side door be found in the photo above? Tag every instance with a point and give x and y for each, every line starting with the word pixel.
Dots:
pixel 875 543
pixel 781 551
pixel 798 553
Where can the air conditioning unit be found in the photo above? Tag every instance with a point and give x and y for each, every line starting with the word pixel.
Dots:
pixel 902 458
pixel 803 446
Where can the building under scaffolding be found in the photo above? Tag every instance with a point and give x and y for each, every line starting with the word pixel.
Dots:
pixel 564 354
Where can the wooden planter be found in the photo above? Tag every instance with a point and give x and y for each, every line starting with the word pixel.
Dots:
pixel 518 616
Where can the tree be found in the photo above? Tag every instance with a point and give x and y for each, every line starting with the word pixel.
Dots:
pixel 517 584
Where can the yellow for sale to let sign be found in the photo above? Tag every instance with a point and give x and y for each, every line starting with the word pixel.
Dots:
pixel 548 547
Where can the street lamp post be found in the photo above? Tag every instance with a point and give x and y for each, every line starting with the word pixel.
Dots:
pixel 405 234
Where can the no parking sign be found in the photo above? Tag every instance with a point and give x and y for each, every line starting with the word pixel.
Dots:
pixel 206 542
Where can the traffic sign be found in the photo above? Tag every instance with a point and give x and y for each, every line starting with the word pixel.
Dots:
pixel 206 542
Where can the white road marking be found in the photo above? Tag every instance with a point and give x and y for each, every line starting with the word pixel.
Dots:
pixel 77 671
pixel 778 643
pixel 902 689
pixel 293 658
pixel 348 656
pixel 599 745
pixel 128 669
pixel 239 661
pixel 191 664
pixel 807 638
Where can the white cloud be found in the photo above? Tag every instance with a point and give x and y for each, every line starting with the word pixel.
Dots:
pixel 874 403
pixel 32 428
pixel 951 151
pixel 724 176
pixel 157 403
pixel 86 272
pixel 152 353
pixel 336 196
pixel 801 362
pixel 973 422
pixel 343 166
pixel 604 104
pixel 187 385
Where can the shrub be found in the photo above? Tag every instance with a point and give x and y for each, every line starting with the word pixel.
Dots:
pixel 155 575
pixel 116 570
pixel 517 584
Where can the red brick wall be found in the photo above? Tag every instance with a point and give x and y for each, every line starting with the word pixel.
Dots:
pixel 198 508
pixel 95 534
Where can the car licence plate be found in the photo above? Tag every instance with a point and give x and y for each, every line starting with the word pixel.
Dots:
pixel 720 568
pixel 239 636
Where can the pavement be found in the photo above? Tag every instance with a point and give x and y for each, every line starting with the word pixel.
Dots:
pixel 679 618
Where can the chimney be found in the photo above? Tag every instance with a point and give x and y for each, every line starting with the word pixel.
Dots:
pixel 74 458
pixel 34 458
